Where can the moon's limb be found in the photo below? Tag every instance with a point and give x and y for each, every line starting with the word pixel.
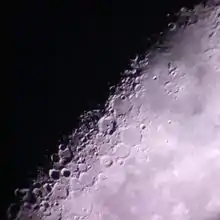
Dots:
pixel 156 154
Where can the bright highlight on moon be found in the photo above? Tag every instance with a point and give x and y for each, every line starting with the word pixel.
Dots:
pixel 155 152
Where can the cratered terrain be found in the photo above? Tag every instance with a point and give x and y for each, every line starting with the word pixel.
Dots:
pixel 154 152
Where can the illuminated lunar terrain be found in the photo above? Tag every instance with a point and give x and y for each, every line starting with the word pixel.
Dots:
pixel 154 152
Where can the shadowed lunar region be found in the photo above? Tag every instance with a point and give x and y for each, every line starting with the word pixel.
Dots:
pixel 155 152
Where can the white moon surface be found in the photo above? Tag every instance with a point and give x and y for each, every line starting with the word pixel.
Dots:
pixel 155 153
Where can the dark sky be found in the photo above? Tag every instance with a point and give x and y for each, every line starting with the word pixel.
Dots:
pixel 66 53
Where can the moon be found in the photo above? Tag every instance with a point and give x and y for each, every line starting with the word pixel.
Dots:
pixel 154 154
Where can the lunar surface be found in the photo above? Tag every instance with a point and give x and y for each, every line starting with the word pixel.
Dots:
pixel 154 154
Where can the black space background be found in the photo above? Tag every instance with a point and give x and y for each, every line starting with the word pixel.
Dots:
pixel 66 53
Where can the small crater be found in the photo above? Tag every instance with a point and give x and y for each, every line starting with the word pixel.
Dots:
pixel 107 125
pixel 55 158
pixel 45 204
pixel 172 26
pixel 106 161
pixel 54 174
pixel 120 161
pixel 37 192
pixel 121 106
pixel 46 212
pixel 65 172
pixel 42 209
pixel 60 191
pixel 101 177
pixel 172 70
pixel 87 179
pixel 47 187
pixel 142 126
pixel 62 147
pixel 121 151
pixel 65 155
pixel 20 193
pixel 36 185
